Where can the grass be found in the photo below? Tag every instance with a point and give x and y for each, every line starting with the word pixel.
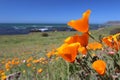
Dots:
pixel 35 45
pixel 31 42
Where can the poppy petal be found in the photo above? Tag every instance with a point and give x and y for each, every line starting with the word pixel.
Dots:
pixel 82 24
pixel 94 45
pixel 83 39
pixel 99 66
pixel 68 51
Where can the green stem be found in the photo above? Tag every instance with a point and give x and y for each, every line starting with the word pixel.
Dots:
pixel 67 70
pixel 93 38
pixel 90 55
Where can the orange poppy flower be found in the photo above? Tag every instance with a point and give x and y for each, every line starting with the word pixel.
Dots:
pixel 40 70
pixel 112 42
pixel 28 64
pixel 116 37
pixel 108 41
pixel 83 39
pixel 50 54
pixel 82 50
pixel 82 24
pixel 68 51
pixel 94 46
pixel 15 61
pixel 3 76
pixel 99 66
pixel 72 39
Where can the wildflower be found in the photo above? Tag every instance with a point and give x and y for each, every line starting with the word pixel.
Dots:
pixel 8 65
pixel 3 76
pixel 83 40
pixel 23 61
pixel 28 64
pixel 40 70
pixel 94 46
pixel 99 66
pixel 111 53
pixel 36 61
pixel 116 37
pixel 68 51
pixel 51 53
pixel 112 41
pixel 29 59
pixel 72 39
pixel 82 50
pixel 15 61
pixel 108 41
pixel 42 59
pixel 82 24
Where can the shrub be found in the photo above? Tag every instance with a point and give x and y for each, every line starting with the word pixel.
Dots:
pixel 45 34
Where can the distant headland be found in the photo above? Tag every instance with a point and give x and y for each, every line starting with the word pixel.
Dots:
pixel 114 23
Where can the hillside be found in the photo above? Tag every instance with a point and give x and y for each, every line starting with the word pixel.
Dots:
pixel 113 23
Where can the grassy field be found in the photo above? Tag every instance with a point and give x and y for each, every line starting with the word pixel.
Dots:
pixel 33 42
pixel 36 46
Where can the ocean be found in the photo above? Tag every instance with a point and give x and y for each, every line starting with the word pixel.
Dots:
pixel 25 28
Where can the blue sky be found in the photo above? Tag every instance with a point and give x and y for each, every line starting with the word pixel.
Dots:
pixel 57 11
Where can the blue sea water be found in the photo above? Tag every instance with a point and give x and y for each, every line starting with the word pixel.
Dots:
pixel 25 28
